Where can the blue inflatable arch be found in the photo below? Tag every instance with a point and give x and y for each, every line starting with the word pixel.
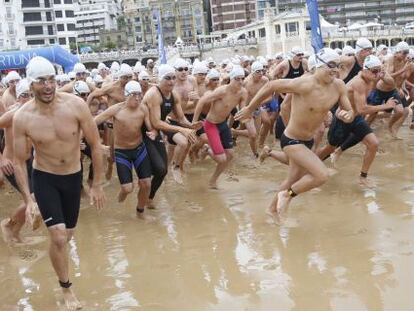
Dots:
pixel 55 54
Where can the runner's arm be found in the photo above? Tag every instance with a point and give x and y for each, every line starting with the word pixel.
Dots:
pixel 6 119
pixel 107 113
pixel 210 97
pixel 98 92
pixel 20 156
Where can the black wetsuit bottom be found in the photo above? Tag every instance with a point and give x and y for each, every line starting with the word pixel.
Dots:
pixel 58 197
pixel 286 141
pixel 159 162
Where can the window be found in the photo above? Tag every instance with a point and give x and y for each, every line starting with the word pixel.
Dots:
pixel 12 42
pixel 47 3
pixel 69 14
pixel 68 2
pixel 72 40
pixel 31 17
pixel 262 32
pixel 51 41
pixel 50 30
pixel 62 41
pixel 30 4
pixel 277 29
pixel 34 30
pixel 57 1
pixel 58 13
pixel 71 27
pixel 48 16
pixel 35 42
pixel 60 27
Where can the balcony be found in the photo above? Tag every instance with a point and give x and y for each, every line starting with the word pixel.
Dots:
pixel 10 17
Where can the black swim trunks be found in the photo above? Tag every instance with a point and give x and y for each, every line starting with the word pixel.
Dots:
pixel 377 97
pixel 279 127
pixel 136 158
pixel 58 197
pixel 339 130
pixel 286 141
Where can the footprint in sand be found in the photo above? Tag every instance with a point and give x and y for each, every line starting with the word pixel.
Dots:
pixel 193 207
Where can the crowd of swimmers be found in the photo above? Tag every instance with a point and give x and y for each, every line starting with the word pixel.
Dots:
pixel 151 119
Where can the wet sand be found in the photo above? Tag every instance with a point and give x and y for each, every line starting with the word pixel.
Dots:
pixel 342 248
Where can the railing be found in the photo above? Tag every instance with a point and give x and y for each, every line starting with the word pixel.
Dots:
pixel 227 43
pixel 118 55
pixel 388 32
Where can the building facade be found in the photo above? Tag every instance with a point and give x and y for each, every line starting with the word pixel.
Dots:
pixel 183 19
pixel 231 14
pixel 35 23
pixel 93 16
pixel 388 12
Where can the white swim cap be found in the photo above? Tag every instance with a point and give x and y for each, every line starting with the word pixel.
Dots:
pixel 348 50
pixel 381 47
pixel 138 67
pixel 98 79
pixel 114 66
pixel 71 75
pixel 411 53
pixel 297 50
pixel 143 75
pixel 62 78
pixel 257 66
pixel 150 61
pixel 12 75
pixel 213 74
pixel 79 68
pixel 81 87
pixel 280 55
pixel 23 86
pixel 180 63
pixel 94 72
pixel 401 47
pixel 102 66
pixel 372 61
pixel 237 71
pixel 200 68
pixel 39 67
pixel 312 62
pixel 90 80
pixel 245 58
pixel 325 56
pixel 165 70
pixel 125 70
pixel 132 87
pixel 362 43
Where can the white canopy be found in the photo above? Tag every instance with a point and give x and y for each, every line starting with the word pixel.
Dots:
pixel 357 25
pixel 179 41
pixel 326 25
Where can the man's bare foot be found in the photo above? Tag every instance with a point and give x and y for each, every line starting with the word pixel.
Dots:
pixel 335 157
pixel 394 133
pixel 213 185
pixel 143 216
pixel 283 200
pixel 176 172
pixel 366 182
pixel 71 302
pixel 151 204
pixel 7 231
pixel 264 154
pixel 122 196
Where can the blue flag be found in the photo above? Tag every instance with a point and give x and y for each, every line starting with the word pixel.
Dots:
pixel 161 49
pixel 317 42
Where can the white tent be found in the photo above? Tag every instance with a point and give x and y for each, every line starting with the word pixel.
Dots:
pixel 179 42
pixel 372 24
pixel 325 25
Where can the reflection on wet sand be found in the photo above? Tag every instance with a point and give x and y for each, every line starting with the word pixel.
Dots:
pixel 341 248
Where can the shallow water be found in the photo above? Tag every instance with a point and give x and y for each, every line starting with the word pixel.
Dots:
pixel 342 248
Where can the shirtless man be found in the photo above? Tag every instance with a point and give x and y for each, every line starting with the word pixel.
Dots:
pixel 81 74
pixel 400 69
pixel 9 96
pixel 359 89
pixel 185 89
pixel 313 96
pixel 162 101
pixel 254 82
pixel 11 226
pixel 144 81
pixel 115 93
pixel 53 121
pixel 130 151
pixel 223 100
pixel 104 73
pixel 294 68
